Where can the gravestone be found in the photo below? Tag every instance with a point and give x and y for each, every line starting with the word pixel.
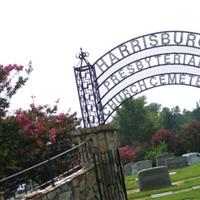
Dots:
pixel 144 164
pixel 160 160
pixel 177 162
pixel 154 178
pixel 192 157
pixel 134 168
pixel 128 169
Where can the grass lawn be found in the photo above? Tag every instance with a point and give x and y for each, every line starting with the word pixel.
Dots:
pixel 191 195
pixel 184 174
pixel 131 182
pixel 184 185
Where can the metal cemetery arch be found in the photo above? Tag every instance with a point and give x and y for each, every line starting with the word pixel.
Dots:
pixel 146 62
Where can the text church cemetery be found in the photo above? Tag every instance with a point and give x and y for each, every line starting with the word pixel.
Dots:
pixel 132 67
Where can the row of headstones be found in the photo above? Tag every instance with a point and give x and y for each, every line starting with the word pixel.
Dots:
pixel 172 162
pixel 167 159
pixel 158 177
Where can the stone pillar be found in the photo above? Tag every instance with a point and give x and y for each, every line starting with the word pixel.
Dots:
pixel 1 196
pixel 103 138
pixel 104 145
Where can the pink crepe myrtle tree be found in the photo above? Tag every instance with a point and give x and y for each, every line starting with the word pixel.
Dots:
pixel 43 124
pixel 165 135
pixel 24 134
pixel 127 154
pixel 12 78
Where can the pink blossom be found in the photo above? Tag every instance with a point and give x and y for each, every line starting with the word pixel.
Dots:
pixel 39 130
pixel 36 151
pixel 21 117
pixel 26 128
pixel 60 117
pixel 161 135
pixel 127 154
pixel 7 69
pixel 40 143
pixel 52 135
pixel 18 67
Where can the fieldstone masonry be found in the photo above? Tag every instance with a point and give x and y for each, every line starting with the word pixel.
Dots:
pixel 1 196
pixel 79 186
pixel 105 151
pixel 91 182
pixel 103 138
pixel 154 178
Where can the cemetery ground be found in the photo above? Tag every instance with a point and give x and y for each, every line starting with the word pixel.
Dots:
pixel 185 185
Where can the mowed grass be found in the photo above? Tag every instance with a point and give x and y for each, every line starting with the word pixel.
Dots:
pixel 189 195
pixel 186 172
pixel 184 176
pixel 183 186
pixel 131 182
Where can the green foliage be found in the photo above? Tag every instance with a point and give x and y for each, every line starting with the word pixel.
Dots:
pixel 11 80
pixel 24 135
pixel 154 151
pixel 172 118
pixel 136 121
pixel 165 135
pixel 195 114
pixel 12 144
pixel 13 147
pixel 186 172
pixel 190 137
pixel 139 122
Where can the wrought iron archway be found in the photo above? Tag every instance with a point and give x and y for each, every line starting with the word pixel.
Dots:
pixel 146 62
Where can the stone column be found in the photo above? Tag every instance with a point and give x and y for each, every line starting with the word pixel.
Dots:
pixel 1 196
pixel 104 145
pixel 103 137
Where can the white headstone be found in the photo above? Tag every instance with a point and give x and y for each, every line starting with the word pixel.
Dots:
pixel 192 157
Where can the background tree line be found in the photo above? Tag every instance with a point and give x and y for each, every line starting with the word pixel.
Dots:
pixel 147 130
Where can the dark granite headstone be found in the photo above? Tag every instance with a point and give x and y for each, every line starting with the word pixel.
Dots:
pixel 128 169
pixel 177 162
pixel 134 168
pixel 144 164
pixel 160 160
pixel 154 178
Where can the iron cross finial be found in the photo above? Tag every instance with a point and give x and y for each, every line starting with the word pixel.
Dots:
pixel 82 57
